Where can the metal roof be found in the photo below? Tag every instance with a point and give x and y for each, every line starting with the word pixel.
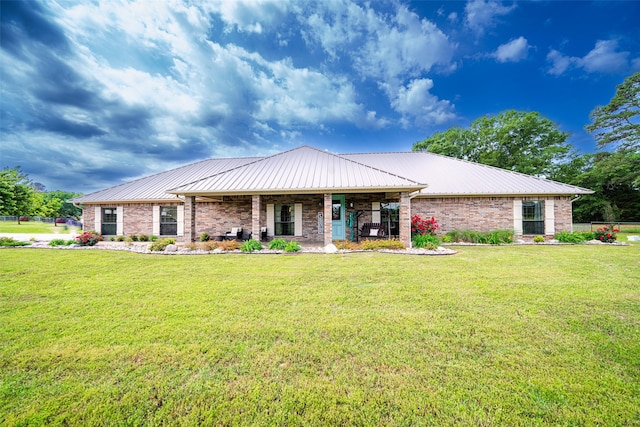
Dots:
pixel 303 169
pixel 447 176
pixel 309 170
pixel 155 187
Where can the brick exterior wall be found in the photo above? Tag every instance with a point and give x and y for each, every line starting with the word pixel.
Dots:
pixel 217 218
pixel 484 213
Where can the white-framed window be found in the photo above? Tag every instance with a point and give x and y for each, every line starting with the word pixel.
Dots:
pixel 109 222
pixel 284 216
pixel 533 214
pixel 168 220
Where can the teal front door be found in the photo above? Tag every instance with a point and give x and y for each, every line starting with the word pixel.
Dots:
pixel 337 217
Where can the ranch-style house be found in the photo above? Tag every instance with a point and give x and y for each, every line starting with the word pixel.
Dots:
pixel 314 196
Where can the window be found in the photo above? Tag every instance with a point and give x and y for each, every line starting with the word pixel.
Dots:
pixel 168 220
pixel 284 220
pixel 390 218
pixel 533 217
pixel 109 222
pixel 336 210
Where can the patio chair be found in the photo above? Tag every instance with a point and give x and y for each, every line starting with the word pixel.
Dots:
pixel 235 233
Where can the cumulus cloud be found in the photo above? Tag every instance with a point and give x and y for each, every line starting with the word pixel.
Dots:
pixel 603 58
pixel 117 90
pixel 415 100
pixel 481 15
pixel 513 51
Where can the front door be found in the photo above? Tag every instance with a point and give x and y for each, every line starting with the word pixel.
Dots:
pixel 337 217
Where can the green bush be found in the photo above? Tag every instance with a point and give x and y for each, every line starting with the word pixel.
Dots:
pixel 538 239
pixel 153 238
pixel 446 239
pixel 133 238
pixel 161 244
pixel 495 237
pixel 143 238
pixel 8 241
pixel 204 237
pixel 292 247
pixel 251 245
pixel 278 244
pixel 427 241
pixel 567 237
pixel 61 242
pixel 120 238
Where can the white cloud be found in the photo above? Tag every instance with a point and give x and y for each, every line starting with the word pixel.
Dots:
pixel 252 16
pixel 559 62
pixel 482 14
pixel 603 58
pixel 416 102
pixel 514 51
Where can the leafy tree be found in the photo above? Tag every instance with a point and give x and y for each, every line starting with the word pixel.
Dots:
pixel 16 192
pixel 64 209
pixel 614 178
pixel 618 123
pixel 520 141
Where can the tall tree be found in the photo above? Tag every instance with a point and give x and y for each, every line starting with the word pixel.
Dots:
pixel 16 192
pixel 617 124
pixel 520 141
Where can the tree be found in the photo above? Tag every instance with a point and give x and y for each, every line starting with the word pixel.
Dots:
pixel 16 193
pixel 617 124
pixel 519 141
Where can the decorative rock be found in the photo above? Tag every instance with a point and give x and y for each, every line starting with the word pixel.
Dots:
pixel 330 249
pixel 171 248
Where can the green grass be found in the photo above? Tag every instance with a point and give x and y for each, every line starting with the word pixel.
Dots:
pixel 525 335
pixel 33 227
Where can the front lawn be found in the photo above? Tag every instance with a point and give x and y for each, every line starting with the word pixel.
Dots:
pixel 514 335
pixel 36 227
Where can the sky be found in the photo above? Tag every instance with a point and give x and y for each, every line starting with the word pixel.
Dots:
pixel 94 94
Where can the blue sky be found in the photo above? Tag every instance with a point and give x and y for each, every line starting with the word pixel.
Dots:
pixel 95 94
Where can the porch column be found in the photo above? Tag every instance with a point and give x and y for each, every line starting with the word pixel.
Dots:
pixel 328 229
pixel 255 216
pixel 405 219
pixel 190 219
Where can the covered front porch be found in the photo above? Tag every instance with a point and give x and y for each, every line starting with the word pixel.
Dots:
pixel 316 219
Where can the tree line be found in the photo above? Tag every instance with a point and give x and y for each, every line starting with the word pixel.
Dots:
pixel 529 143
pixel 19 196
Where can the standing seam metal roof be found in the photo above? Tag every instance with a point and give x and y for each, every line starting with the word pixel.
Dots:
pixel 301 169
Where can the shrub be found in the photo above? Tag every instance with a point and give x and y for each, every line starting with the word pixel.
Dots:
pixel 251 245
pixel 446 239
pixel 120 238
pixel 133 238
pixel 153 238
pixel 143 238
pixel 204 237
pixel 538 239
pixel 498 237
pixel 495 237
pixel 373 245
pixel 278 244
pixel 292 247
pixel 57 242
pixel 346 245
pixel 424 240
pixel 587 235
pixel 8 241
pixel 88 238
pixel 229 245
pixel 421 226
pixel 567 237
pixel 161 244
pixel 606 234
pixel 112 239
